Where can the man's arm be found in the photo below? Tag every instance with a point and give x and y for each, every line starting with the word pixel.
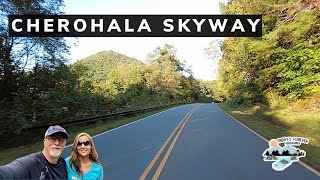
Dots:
pixel 5 173
pixel 16 169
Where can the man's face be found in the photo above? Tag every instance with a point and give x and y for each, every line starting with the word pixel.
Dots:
pixel 54 144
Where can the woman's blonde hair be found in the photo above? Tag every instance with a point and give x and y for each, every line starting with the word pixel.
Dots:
pixel 75 159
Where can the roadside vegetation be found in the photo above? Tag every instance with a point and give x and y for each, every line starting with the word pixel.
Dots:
pixel 274 123
pixel 272 83
pixel 38 86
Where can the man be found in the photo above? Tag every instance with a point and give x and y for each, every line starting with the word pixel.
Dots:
pixel 42 165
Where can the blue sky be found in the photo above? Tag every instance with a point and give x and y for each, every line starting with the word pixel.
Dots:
pixel 189 49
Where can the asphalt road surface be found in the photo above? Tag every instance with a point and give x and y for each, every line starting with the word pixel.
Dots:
pixel 196 141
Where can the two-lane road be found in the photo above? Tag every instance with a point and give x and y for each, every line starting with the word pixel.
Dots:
pixel 196 141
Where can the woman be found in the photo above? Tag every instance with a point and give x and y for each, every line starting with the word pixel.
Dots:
pixel 83 162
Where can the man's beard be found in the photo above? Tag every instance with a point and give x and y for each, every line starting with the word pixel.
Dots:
pixel 55 152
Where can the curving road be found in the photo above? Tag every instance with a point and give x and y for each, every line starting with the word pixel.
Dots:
pixel 195 141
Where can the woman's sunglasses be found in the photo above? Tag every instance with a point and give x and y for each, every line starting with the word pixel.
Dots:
pixel 85 143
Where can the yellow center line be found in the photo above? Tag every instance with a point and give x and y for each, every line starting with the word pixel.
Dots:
pixel 166 156
pixel 147 170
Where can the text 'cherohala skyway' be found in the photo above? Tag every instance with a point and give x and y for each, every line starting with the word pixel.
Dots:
pixel 135 25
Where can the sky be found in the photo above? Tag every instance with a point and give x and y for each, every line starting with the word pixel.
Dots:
pixel 189 49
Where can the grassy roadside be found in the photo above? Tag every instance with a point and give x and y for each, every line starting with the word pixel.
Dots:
pixel 8 155
pixel 280 122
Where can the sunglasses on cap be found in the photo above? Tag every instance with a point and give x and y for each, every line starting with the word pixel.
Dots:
pixel 85 143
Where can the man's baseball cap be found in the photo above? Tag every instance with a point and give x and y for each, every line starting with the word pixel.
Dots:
pixel 56 129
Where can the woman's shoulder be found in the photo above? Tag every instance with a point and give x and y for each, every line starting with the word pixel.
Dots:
pixel 67 159
pixel 96 165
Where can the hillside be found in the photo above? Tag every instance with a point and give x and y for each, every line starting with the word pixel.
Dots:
pixel 98 66
pixel 283 63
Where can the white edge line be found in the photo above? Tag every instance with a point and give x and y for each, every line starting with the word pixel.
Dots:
pixel 129 123
pixel 300 162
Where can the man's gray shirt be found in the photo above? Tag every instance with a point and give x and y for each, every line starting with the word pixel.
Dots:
pixel 34 166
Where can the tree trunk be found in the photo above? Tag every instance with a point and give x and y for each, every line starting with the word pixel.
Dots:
pixel 7 69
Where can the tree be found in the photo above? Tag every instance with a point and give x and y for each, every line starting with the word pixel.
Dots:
pixel 18 53
pixel 284 61
pixel 267 153
pixel 167 54
pixel 24 61
pixel 275 153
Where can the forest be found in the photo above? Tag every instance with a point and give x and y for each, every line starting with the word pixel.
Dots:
pixel 38 86
pixel 283 64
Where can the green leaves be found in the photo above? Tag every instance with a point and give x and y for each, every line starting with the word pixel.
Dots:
pixel 301 71
pixel 285 60
pixel 29 67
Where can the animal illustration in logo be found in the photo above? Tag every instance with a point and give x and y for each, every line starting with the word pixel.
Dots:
pixel 284 156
